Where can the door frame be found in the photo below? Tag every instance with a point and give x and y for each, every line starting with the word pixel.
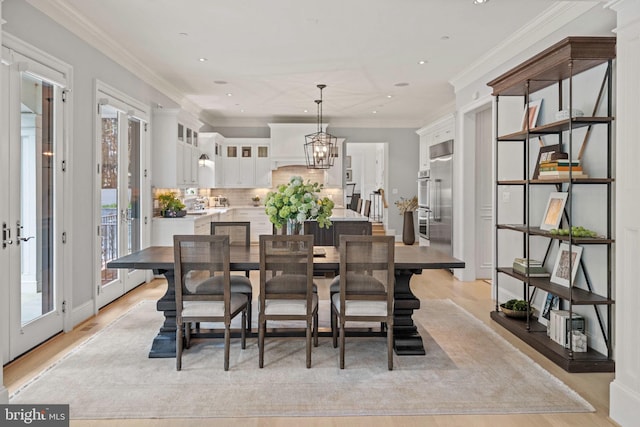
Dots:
pixel 59 73
pixel 104 92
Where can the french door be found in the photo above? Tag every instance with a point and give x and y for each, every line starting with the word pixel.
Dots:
pixel 32 163
pixel 121 141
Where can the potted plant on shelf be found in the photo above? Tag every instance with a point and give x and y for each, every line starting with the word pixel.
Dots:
pixel 256 200
pixel 293 203
pixel 170 205
pixel 406 208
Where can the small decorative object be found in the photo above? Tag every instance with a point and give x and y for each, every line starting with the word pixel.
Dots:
pixel 406 208
pixel 579 341
pixel 564 114
pixel 256 200
pixel 170 205
pixel 566 265
pixel 515 308
pixel 553 212
pixel 296 202
pixel 576 231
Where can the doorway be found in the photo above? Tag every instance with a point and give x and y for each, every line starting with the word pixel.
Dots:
pixel 33 237
pixel 120 145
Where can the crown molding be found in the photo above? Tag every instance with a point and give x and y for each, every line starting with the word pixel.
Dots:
pixel 543 25
pixel 69 18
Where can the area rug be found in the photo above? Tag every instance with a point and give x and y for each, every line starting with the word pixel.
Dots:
pixel 468 369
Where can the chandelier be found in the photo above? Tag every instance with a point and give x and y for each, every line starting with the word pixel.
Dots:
pixel 320 148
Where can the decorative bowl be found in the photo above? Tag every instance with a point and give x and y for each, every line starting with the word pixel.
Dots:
pixel 514 313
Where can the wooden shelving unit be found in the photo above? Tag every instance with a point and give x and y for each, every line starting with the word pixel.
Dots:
pixel 555 66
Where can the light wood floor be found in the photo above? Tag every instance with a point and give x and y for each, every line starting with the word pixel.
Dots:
pixel 475 297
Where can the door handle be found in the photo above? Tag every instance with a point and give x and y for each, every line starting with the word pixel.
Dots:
pixel 19 239
pixel 6 236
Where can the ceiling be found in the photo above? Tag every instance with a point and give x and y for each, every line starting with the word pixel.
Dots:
pixel 265 58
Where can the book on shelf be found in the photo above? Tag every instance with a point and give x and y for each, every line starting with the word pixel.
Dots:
pixel 531 268
pixel 560 326
pixel 527 262
pixel 561 175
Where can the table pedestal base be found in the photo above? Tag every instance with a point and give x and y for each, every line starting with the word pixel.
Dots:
pixel 406 339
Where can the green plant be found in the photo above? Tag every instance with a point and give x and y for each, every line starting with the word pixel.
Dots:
pixel 169 203
pixel 256 198
pixel 297 201
pixel 516 305
pixel 576 231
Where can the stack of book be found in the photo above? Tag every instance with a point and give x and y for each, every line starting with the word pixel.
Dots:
pixel 530 267
pixel 559 328
pixel 560 168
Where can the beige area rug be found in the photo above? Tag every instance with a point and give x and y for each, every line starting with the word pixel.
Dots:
pixel 468 369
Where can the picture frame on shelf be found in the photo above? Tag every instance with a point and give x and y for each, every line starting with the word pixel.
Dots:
pixel 553 212
pixel 567 256
pixel 545 154
pixel 551 302
pixel 534 111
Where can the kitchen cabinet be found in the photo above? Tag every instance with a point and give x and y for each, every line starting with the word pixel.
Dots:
pixel 557 77
pixel 259 220
pixel 246 163
pixel 210 174
pixel 434 133
pixel 174 148
pixel 163 229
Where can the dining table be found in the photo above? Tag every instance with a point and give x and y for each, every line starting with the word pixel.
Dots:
pixel 409 260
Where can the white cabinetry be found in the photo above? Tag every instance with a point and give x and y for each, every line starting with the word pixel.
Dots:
pixel 174 149
pixel 287 142
pixel 246 163
pixel 163 229
pixel 434 133
pixel 259 220
pixel 210 174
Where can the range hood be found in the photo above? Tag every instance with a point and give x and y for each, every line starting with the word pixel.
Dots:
pixel 287 143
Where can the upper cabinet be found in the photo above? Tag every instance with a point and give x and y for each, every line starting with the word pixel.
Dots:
pixel 434 133
pixel 246 163
pixel 210 171
pixel 287 143
pixel 174 148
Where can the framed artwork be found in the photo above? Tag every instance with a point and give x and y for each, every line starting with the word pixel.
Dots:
pixel 348 175
pixel 567 263
pixel 534 110
pixel 552 302
pixel 553 213
pixel 544 155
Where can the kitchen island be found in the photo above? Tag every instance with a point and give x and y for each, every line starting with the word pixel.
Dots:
pixel 344 221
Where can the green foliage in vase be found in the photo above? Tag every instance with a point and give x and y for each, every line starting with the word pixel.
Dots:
pixel 169 202
pixel 298 201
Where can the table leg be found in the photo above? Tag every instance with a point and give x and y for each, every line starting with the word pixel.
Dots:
pixel 407 340
pixel 164 344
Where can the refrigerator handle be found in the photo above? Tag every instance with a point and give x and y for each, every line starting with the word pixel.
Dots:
pixel 436 208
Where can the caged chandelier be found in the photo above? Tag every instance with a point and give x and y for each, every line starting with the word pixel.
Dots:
pixel 320 148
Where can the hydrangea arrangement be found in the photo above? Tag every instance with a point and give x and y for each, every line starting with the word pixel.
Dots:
pixel 297 202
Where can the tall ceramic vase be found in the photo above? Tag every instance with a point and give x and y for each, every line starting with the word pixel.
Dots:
pixel 408 231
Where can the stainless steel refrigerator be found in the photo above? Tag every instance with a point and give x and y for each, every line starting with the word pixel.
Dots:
pixel 441 197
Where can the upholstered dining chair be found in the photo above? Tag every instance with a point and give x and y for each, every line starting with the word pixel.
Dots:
pixel 286 286
pixel 198 258
pixel 366 287
pixel 239 233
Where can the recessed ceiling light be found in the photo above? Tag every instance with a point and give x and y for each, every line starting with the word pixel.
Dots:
pixel 374 112
pixel 444 38
pixel 202 59
pixel 242 110
pixel 306 111
pixel 229 94
pixel 401 84
pixel 220 82
pixel 422 62
pixel 480 1
pixel 389 96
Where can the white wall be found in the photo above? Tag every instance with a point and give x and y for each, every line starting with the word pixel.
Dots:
pixel 625 389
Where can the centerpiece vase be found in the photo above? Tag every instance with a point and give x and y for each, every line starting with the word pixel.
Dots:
pixel 408 230
pixel 293 227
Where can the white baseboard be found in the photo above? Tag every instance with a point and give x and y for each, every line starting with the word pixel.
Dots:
pixel 80 314
pixel 4 394
pixel 623 404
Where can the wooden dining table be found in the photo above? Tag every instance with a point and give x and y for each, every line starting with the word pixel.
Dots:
pixel 409 260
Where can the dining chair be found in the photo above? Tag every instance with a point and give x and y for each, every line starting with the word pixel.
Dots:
pixel 198 258
pixel 366 209
pixel 286 286
pixel 239 233
pixel 366 287
pixel 359 206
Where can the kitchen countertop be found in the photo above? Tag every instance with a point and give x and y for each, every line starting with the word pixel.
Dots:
pixel 339 214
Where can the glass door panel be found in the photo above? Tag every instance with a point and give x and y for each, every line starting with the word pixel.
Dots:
pixel 134 239
pixel 109 224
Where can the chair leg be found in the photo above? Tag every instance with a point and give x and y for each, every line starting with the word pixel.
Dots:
pixel 187 334
pixel 248 322
pixel 334 327
pixel 341 342
pixel 309 322
pixel 243 333
pixel 390 344
pixel 179 347
pixel 261 327
pixel 315 328
pixel 227 344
